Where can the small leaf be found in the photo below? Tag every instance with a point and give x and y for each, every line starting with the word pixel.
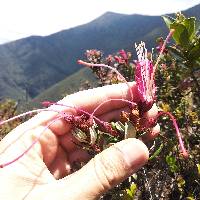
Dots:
pixel 133 188
pixel 129 193
pixel 198 168
pixel 79 135
pixel 119 126
pixel 190 25
pixel 171 161
pixel 176 53
pixel 93 135
pixel 157 152
pixel 113 125
pixel 181 181
pixel 190 198
pixel 195 51
pixel 105 133
pixel 168 20
pixel 130 130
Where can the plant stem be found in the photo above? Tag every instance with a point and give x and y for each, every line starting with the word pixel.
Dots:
pixel 179 136
pixel 196 81
pixel 24 114
pixel 77 109
pixel 161 53
pixel 30 147
pixel 111 68
pixel 110 100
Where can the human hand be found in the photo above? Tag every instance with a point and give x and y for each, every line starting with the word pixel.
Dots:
pixel 45 172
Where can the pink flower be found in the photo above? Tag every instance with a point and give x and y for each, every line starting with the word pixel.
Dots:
pixel 124 55
pixel 145 81
pixel 145 73
pixel 118 59
pixel 122 58
pixel 144 77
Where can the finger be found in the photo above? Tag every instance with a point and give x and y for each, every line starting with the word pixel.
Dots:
pixel 35 149
pixel 148 119
pixel 152 134
pixel 152 113
pixel 86 100
pixel 69 142
pixel 79 156
pixel 60 167
pixel 113 115
pixel 103 172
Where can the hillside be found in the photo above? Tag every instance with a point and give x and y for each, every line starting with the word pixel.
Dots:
pixel 29 66
pixel 71 84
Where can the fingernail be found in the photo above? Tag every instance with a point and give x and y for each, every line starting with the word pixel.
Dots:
pixel 136 153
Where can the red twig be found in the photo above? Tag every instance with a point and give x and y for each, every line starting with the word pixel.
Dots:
pixel 179 136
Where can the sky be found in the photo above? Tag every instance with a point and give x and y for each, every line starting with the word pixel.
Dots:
pixel 22 18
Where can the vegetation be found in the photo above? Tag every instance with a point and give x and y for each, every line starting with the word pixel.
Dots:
pixel 8 109
pixel 167 175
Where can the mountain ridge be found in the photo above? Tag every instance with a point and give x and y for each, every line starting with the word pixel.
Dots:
pixel 31 65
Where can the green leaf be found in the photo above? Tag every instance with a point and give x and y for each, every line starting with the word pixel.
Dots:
pixel 176 53
pixel 130 130
pixel 129 193
pixel 168 20
pixel 79 135
pixel 197 26
pixel 198 168
pixel 189 23
pixel 157 152
pixel 180 181
pixel 133 188
pixel 190 198
pixel 195 51
pixel 171 161
pixel 93 135
pixel 180 35
pixel 119 126
pixel 184 38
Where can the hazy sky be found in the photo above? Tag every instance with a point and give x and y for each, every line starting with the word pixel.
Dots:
pixel 22 18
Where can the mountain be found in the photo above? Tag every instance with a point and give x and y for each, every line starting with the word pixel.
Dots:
pixel 29 66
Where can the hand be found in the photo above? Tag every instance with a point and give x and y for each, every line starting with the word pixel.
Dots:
pixel 45 172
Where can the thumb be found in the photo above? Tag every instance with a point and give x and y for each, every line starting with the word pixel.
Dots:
pixel 106 170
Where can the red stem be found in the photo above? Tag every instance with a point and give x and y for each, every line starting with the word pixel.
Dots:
pixel 79 110
pixel 30 147
pixel 160 54
pixel 109 100
pixel 179 136
pixel 111 68
pixel 163 48
pixel 24 114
